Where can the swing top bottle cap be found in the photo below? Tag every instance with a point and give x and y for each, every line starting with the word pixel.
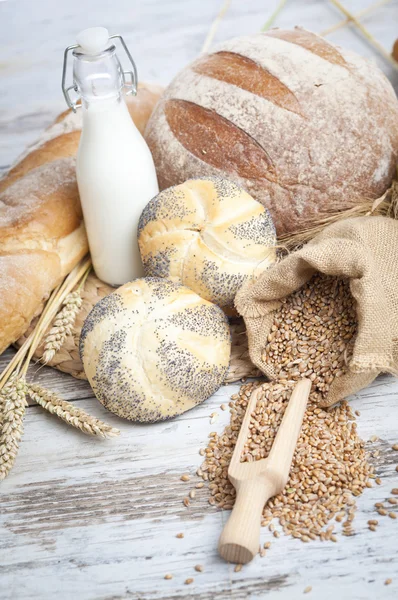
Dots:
pixel 93 40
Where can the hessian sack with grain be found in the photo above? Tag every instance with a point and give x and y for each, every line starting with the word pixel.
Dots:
pixel 362 249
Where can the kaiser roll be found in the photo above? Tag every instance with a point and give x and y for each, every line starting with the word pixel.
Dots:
pixel 208 234
pixel 305 127
pixel 154 349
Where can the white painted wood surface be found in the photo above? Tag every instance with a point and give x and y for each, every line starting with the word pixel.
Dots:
pixel 89 519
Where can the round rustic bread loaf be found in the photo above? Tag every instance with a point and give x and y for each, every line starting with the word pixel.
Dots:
pixel 209 235
pixel 153 349
pixel 305 127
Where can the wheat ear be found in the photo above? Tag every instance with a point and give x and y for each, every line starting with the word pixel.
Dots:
pixel 62 326
pixel 12 410
pixel 70 414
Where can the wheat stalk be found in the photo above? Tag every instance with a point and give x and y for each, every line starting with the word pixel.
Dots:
pixel 62 325
pixel 274 15
pixel 214 26
pixel 13 386
pixel 64 320
pixel 52 306
pixel 359 14
pixel 386 205
pixel 12 410
pixel 379 47
pixel 72 415
pixel 26 352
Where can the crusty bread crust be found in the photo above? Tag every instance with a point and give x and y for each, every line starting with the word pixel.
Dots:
pixel 42 235
pixel 208 234
pixel 153 349
pixel 303 126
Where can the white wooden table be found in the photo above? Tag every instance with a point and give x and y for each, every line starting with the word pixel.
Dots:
pixel 84 519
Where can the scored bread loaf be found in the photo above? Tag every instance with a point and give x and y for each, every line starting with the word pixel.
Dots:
pixel 304 126
pixel 67 358
pixel 42 235
pixel 208 234
pixel 153 349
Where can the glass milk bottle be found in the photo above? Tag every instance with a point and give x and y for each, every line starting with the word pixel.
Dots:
pixel 115 172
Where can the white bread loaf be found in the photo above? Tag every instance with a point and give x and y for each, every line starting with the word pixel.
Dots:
pixel 208 234
pixel 304 126
pixel 42 235
pixel 153 349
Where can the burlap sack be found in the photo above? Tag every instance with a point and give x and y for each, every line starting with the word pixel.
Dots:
pixel 363 249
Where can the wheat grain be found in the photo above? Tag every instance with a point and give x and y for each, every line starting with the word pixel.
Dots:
pixel 62 325
pixel 72 415
pixel 12 410
pixel 199 568
pixel 238 568
pixel 312 336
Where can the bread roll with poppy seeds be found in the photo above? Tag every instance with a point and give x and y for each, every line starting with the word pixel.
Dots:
pixel 304 126
pixel 153 349
pixel 208 234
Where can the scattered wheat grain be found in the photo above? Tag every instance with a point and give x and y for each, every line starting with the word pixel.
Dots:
pixel 238 568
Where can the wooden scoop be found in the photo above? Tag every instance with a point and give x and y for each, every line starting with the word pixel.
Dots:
pixel 255 482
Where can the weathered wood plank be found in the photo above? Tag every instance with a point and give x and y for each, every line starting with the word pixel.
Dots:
pixel 92 519
pixel 98 519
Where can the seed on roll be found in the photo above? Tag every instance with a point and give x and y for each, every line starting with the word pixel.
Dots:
pixel 153 349
pixel 208 234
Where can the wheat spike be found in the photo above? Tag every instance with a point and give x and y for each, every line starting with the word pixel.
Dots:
pixel 70 414
pixel 62 325
pixel 12 410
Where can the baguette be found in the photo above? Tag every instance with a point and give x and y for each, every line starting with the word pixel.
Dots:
pixel 42 235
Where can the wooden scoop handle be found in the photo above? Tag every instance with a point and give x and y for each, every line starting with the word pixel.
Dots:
pixel 240 538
